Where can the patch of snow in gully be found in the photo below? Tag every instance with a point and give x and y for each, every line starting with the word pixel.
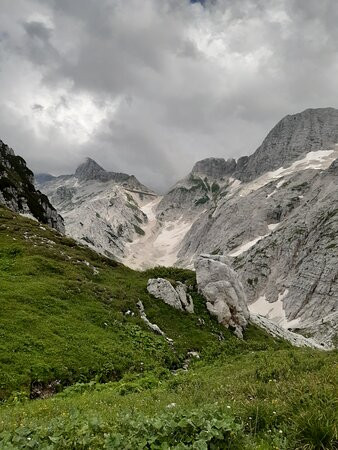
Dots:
pixel 273 311
pixel 244 247
pixel 160 244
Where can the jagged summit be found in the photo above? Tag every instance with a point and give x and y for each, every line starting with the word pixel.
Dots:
pixel 214 167
pixel 292 137
pixel 91 170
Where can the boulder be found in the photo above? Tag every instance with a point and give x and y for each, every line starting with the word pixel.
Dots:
pixel 176 297
pixel 223 291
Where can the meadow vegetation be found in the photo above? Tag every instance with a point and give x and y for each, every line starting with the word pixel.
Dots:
pixel 80 369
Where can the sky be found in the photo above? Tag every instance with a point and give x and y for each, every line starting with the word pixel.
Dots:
pixel 150 87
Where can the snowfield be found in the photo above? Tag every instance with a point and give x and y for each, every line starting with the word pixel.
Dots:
pixel 160 244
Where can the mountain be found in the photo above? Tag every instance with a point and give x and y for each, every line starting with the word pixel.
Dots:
pixel 89 359
pixel 169 357
pixel 17 190
pixel 290 140
pixel 102 209
pixel 273 213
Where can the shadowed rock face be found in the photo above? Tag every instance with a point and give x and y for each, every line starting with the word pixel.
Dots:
pixel 214 167
pixel 224 293
pixel 90 170
pixel 18 193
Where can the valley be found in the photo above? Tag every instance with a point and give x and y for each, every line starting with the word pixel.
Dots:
pixel 202 318
pixel 228 207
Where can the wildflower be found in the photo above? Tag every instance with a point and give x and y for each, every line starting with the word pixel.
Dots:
pixel 171 405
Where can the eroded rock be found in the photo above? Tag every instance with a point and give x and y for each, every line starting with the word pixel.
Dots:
pixel 176 297
pixel 223 291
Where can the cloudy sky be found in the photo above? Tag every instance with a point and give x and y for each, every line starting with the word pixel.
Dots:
pixel 150 86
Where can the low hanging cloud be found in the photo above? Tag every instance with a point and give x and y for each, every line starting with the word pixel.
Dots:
pixel 151 87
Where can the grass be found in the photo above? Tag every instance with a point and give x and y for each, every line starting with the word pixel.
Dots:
pixel 282 399
pixel 70 330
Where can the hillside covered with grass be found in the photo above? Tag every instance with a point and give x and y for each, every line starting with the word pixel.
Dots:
pixel 80 369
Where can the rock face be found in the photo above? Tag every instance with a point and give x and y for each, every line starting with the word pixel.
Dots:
pixel 176 297
pixel 324 330
pixel 293 137
pixel 18 193
pixel 214 167
pixel 223 291
pixel 282 233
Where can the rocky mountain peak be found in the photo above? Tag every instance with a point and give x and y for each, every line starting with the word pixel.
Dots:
pixel 90 170
pixel 293 137
pixel 214 167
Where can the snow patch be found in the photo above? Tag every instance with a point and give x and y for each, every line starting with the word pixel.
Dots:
pixel 273 311
pixel 318 160
pixel 244 247
pixel 273 226
pixel 160 244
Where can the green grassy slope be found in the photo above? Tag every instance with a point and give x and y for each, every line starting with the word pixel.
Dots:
pixel 63 322
pixel 63 315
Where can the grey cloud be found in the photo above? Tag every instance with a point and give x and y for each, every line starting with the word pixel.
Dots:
pixel 37 107
pixel 184 81
pixel 37 30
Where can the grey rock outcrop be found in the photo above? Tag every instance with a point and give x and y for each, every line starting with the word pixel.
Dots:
pixel 176 297
pixel 18 193
pixel 151 325
pixel 223 291
pixel 295 339
pixel 212 179
pixel 214 167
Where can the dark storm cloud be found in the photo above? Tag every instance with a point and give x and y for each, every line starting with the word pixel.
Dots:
pixel 150 87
